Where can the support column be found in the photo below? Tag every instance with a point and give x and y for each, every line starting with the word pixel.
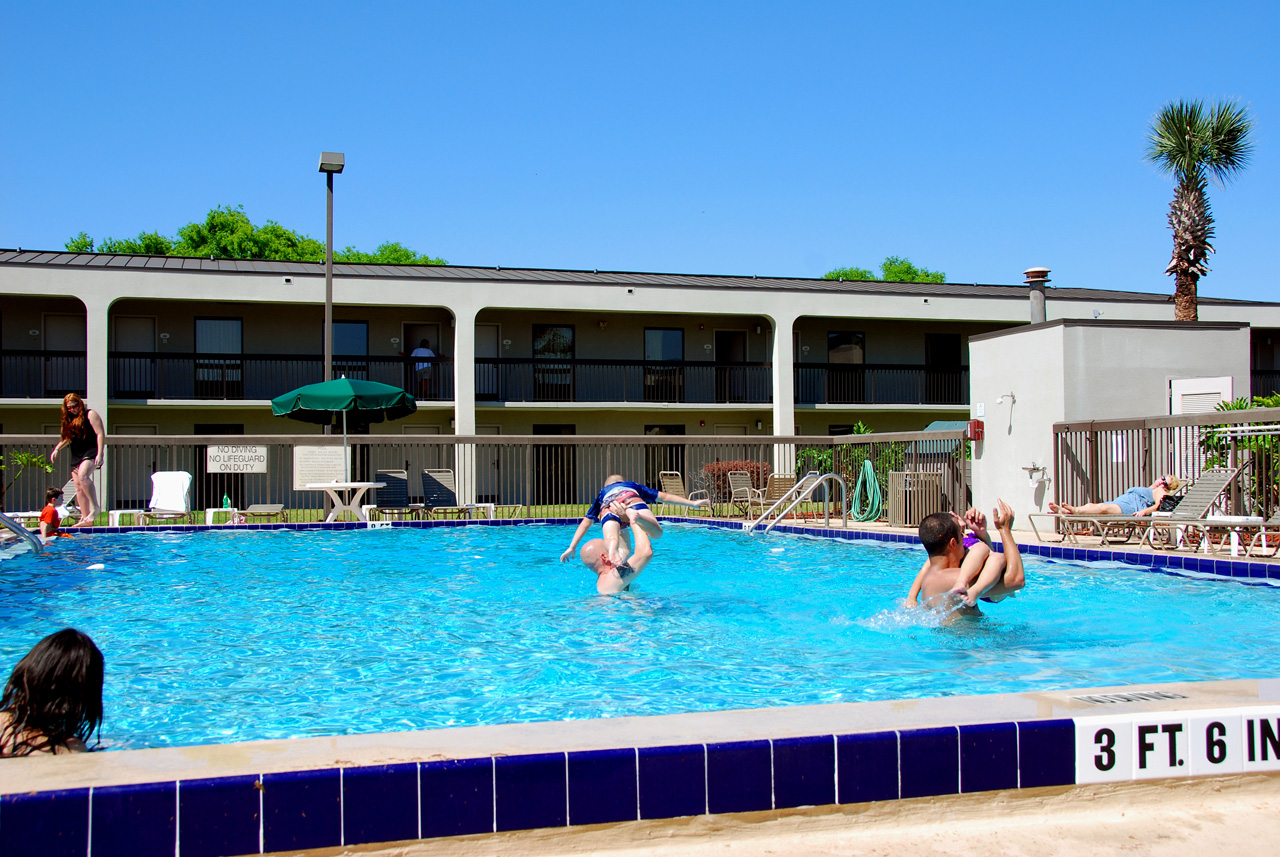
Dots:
pixel 96 327
pixel 784 396
pixel 464 401
pixel 784 386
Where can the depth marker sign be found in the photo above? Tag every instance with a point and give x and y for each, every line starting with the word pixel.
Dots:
pixel 1177 744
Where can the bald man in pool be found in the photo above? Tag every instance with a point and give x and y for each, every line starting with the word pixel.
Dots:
pixel 942 536
pixel 611 576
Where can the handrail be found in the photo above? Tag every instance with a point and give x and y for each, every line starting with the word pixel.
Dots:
pixel 22 532
pixel 803 490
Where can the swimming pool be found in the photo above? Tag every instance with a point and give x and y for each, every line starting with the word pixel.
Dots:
pixel 224 636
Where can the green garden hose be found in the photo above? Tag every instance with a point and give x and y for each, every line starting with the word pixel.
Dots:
pixel 871 511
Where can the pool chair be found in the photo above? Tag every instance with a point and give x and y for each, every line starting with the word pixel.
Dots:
pixel 1196 503
pixel 170 498
pixel 1266 541
pixel 393 498
pixel 1192 518
pixel 67 509
pixel 778 486
pixel 258 513
pixel 440 495
pixel 673 483
pixel 742 496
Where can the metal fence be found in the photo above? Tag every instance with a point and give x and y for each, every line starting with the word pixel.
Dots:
pixel 1099 460
pixel 546 476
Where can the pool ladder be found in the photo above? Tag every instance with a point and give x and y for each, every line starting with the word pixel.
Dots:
pixel 21 532
pixel 802 491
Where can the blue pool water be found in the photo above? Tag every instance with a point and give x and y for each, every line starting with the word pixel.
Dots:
pixel 239 635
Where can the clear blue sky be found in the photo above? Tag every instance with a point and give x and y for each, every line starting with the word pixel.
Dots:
pixel 779 138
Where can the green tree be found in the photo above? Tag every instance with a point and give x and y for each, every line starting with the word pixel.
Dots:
pixel 227 233
pixel 1194 144
pixel 894 269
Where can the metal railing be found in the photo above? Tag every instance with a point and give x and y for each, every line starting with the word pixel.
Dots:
pixel 880 384
pixel 151 375
pixel 545 475
pixel 38 374
pixel 1265 382
pixel 1099 460
pixel 544 380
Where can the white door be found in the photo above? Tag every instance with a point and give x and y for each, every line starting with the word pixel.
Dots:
pixel 486 362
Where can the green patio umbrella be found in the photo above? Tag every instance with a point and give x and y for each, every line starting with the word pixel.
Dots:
pixel 322 403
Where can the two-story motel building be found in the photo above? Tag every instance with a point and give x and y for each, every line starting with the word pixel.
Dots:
pixel 163 345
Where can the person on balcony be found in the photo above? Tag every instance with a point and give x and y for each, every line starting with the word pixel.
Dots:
pixel 84 433
pixel 423 369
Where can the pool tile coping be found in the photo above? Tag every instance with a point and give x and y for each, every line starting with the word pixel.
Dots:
pixel 358 789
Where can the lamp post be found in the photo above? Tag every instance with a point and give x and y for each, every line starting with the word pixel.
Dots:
pixel 330 163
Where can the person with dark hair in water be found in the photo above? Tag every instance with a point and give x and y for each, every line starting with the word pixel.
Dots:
pixel 52 702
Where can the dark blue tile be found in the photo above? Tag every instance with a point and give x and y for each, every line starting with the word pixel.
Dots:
pixel 602 786
pixel 673 781
pixel 45 824
pixel 380 803
pixel 929 762
pixel 457 797
pixel 988 757
pixel 219 817
pixel 1046 753
pixel 739 777
pixel 529 791
pixel 804 771
pixel 134 821
pixel 1091 556
pixel 1241 569
pixel 301 809
pixel 867 766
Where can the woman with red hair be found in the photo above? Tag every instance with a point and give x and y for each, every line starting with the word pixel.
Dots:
pixel 83 431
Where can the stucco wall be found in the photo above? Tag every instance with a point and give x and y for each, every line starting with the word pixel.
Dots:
pixel 1080 370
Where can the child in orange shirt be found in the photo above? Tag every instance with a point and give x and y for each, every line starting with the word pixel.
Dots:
pixel 49 517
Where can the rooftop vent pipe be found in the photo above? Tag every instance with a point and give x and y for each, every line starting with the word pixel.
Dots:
pixel 1036 278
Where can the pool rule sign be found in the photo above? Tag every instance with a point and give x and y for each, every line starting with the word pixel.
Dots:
pixel 236 459
pixel 1177 744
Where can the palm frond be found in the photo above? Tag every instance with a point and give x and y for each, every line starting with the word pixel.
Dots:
pixel 1191 141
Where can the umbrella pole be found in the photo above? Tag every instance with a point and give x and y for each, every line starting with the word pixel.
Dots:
pixel 346 454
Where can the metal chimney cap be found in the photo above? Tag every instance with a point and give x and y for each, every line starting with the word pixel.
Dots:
pixel 1036 275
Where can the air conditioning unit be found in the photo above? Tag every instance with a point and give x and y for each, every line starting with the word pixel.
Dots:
pixel 914 494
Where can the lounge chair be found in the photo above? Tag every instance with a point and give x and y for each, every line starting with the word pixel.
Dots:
pixel 673 483
pixel 266 512
pixel 393 498
pixel 1267 537
pixel 741 493
pixel 170 498
pixel 440 495
pixel 68 512
pixel 1197 501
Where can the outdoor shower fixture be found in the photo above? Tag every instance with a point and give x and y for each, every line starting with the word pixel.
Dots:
pixel 1009 396
pixel 1033 470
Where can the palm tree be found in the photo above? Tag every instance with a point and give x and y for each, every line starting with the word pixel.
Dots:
pixel 1195 144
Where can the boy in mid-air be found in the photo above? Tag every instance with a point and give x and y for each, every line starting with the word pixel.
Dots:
pixel 974 572
pixel 633 496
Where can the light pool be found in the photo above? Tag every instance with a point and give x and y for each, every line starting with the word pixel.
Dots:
pixel 238 635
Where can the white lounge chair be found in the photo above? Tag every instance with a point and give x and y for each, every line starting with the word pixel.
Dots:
pixel 170 498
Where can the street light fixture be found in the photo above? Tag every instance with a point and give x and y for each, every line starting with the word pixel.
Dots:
pixel 330 163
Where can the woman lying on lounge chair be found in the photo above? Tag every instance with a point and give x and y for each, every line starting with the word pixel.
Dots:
pixel 1137 501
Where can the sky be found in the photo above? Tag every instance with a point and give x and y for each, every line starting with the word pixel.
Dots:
pixel 766 138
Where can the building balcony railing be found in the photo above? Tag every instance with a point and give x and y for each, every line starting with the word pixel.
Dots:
pixel 226 377
pixel 234 377
pixel 36 374
pixel 574 380
pixel 880 384
pixel 1266 382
